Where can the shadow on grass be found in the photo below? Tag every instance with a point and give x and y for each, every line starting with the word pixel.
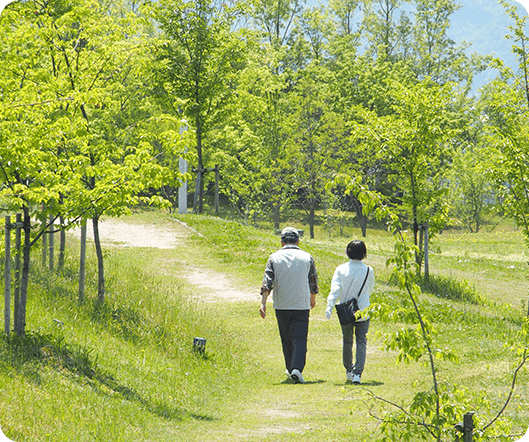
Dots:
pixel 372 383
pixel 29 353
pixel 452 289
pixel 307 382
pixel 363 384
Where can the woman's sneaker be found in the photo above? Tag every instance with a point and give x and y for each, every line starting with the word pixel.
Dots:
pixel 356 379
pixel 349 375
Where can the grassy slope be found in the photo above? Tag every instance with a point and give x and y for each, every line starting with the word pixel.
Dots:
pixel 127 372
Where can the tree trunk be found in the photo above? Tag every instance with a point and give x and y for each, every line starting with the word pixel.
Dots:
pixel 311 220
pixel 363 225
pixel 44 250
pixel 62 245
pixel 362 219
pixel 217 189
pixel 277 209
pixel 7 276
pixel 426 253
pixel 18 243
pixel 200 184
pixel 82 264
pixel 21 323
pixel 100 264
pixel 52 244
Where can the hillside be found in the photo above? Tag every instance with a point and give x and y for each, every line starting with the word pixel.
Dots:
pixel 127 371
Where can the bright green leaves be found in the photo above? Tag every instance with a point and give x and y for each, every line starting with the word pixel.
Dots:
pixel 413 142
pixel 65 93
pixel 197 60
pixel 505 107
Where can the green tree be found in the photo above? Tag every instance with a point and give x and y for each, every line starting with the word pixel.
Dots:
pixel 471 190
pixel 314 130
pixel 436 55
pixel 344 12
pixel 387 28
pixel 69 142
pixel 430 414
pixel 414 140
pixel 505 104
pixel 275 19
pixel 200 55
pixel 362 84
pixel 267 84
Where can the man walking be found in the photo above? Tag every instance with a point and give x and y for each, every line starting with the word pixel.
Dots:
pixel 291 274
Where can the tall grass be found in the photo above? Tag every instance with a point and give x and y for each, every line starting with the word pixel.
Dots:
pixel 113 372
pixel 449 288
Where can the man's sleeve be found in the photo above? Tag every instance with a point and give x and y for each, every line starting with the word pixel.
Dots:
pixel 268 280
pixel 313 278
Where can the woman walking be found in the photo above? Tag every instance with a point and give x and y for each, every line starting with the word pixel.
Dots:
pixel 353 279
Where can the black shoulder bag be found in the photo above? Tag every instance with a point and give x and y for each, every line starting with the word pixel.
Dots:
pixel 346 311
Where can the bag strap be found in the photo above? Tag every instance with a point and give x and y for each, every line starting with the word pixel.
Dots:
pixel 361 288
pixel 365 280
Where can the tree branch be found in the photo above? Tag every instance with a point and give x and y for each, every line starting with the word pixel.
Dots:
pixel 525 358
pixel 432 429
pixel 41 102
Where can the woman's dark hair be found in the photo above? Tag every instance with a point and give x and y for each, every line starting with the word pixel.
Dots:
pixel 356 250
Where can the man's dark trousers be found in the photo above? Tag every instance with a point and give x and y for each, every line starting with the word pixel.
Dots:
pixel 293 329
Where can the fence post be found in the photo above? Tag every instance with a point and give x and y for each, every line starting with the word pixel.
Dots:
pixel 7 276
pixel 468 426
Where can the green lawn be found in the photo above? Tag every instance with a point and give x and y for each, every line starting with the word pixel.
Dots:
pixel 127 372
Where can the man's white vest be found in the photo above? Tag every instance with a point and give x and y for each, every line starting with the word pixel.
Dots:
pixel 291 289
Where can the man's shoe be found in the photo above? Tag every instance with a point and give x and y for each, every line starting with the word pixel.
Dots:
pixel 349 375
pixel 356 379
pixel 288 374
pixel 297 377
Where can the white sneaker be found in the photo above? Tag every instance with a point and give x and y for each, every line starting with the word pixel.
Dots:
pixel 288 374
pixel 356 379
pixel 349 375
pixel 297 377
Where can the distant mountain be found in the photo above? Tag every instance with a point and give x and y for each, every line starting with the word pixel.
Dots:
pixel 484 24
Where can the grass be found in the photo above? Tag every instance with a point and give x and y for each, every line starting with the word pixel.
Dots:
pixel 127 371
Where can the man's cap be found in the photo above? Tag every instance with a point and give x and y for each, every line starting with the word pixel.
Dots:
pixel 289 233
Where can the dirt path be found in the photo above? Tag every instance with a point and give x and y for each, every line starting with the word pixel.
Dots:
pixel 213 285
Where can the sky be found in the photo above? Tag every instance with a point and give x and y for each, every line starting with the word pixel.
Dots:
pixel 484 24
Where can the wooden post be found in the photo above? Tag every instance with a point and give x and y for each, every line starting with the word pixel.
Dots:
pixel 18 243
pixel 7 276
pixel 82 264
pixel 182 166
pixel 182 190
pixel 217 178
pixel 468 426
